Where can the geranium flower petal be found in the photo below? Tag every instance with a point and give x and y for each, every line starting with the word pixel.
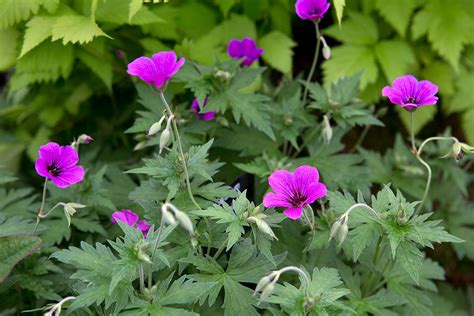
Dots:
pixel 50 153
pixel 293 213
pixel 143 68
pixel 68 157
pixel 281 182
pixel 276 200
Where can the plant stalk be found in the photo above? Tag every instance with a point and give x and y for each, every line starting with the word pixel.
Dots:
pixel 40 212
pixel 315 60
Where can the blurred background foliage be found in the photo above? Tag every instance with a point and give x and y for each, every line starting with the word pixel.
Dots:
pixel 64 61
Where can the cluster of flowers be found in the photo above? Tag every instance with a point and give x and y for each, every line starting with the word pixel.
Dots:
pixel 292 191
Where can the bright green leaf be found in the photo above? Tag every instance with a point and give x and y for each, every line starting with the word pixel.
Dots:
pixel 76 29
pixel 278 51
pixel 8 48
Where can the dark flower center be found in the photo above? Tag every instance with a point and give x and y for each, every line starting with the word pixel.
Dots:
pixel 298 199
pixel 411 100
pixel 54 170
pixel 314 11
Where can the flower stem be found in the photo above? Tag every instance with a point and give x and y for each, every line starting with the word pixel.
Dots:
pixel 299 271
pixel 181 153
pixel 315 60
pixel 428 168
pixel 40 212
pixel 221 249
pixel 412 132
pixel 363 206
pixel 142 277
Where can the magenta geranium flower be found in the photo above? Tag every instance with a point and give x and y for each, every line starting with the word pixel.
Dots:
pixel 58 163
pixel 157 70
pixel 131 219
pixel 294 190
pixel 246 49
pixel 311 9
pixel 206 116
pixel 411 93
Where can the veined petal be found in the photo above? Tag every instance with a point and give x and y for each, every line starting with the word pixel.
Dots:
pixel 293 213
pixel 276 200
pixel 41 167
pixel 408 86
pixel 143 68
pixel 281 182
pixel 69 157
pixel 69 176
pixel 50 153
pixel 426 91
pixel 303 177
pixel 126 216
pixel 164 61
pixel 315 191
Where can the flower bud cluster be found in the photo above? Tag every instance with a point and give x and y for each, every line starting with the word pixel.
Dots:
pixel 340 229
pixel 165 137
pixel 171 215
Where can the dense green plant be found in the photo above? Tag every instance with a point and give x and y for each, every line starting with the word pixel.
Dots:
pixel 213 248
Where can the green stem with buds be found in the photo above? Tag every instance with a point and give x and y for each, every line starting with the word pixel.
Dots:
pixel 181 152
pixel 428 168
pixel 315 60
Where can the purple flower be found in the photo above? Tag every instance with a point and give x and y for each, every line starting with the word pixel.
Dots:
pixel 58 163
pixel 294 190
pixel 246 50
pixel 157 70
pixel 206 116
pixel 311 9
pixel 411 93
pixel 130 218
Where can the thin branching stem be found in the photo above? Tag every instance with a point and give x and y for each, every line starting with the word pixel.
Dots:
pixel 181 152
pixel 40 212
pixel 315 61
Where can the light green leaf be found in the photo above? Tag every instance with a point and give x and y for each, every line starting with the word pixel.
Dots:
pixel 225 6
pixel 13 249
pixel 448 27
pixel 97 63
pixel 8 48
pixel 76 29
pixel 38 29
pixel 359 29
pixel 395 57
pixel 397 13
pixel 349 59
pixel 339 6
pixel 278 51
pixel 441 74
pixel 135 6
pixel 14 11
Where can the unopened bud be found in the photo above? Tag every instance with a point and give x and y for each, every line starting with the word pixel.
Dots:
pixel 167 216
pixel 263 283
pixel 457 151
pixel 401 216
pixel 342 233
pixel 185 222
pixel 467 149
pixel 326 49
pixel 166 135
pixel 155 127
pixel 262 226
pixel 334 229
pixel 224 75
pixel 267 291
pixel 142 251
pixel 70 210
pixel 139 146
pixel 327 130
pixel 84 139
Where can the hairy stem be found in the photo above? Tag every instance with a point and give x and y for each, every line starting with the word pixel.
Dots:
pixel 428 168
pixel 40 212
pixel 181 152
pixel 221 249
pixel 315 60
pixel 299 271
pixel 412 132
pixel 142 277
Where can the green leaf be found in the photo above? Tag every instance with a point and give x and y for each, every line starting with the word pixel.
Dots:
pixel 38 29
pixel 225 6
pixel 135 6
pixel 95 57
pixel 359 29
pixel 13 249
pixel 278 51
pixel 397 13
pixel 411 259
pixel 46 62
pixel 8 48
pixel 447 28
pixel 15 225
pixel 14 11
pixel 339 6
pixel 76 29
pixel 347 60
pixel 395 57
